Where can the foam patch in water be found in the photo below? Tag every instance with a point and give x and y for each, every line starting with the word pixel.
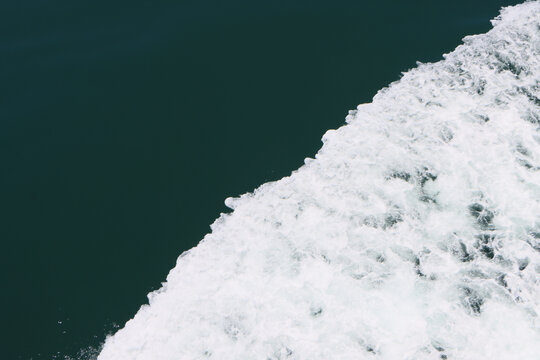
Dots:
pixel 413 234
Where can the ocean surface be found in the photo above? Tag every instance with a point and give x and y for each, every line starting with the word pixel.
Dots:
pixel 125 126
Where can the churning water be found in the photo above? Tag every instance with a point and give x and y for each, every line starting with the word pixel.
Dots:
pixel 413 234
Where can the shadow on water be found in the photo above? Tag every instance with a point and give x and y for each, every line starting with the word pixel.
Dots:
pixel 125 126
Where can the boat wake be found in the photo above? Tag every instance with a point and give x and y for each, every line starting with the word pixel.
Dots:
pixel 413 234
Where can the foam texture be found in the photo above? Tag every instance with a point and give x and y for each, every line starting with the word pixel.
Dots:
pixel 413 234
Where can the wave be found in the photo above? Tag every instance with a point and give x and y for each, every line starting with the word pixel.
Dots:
pixel 413 234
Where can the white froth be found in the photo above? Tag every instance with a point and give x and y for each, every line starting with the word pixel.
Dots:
pixel 413 234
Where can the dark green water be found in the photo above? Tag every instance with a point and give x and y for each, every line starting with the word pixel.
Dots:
pixel 124 126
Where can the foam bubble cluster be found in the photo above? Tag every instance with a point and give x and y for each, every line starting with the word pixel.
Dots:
pixel 413 234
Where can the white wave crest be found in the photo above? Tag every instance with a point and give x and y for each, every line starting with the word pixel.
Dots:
pixel 413 234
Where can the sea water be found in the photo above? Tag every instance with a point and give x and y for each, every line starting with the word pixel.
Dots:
pixel 414 233
pixel 125 126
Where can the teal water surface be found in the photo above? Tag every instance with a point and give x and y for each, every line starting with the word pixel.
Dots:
pixel 124 126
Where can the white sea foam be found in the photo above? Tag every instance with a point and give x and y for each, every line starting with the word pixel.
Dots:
pixel 414 234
